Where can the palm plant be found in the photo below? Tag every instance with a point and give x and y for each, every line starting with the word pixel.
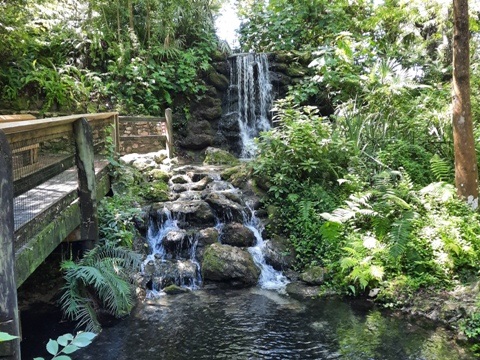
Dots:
pixel 100 282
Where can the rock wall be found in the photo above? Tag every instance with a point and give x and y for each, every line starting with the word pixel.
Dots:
pixel 141 135
pixel 208 126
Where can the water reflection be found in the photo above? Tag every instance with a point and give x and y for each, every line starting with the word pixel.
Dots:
pixel 259 324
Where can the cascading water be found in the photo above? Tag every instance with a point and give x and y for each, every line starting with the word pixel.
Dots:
pixel 270 278
pixel 250 84
pixel 176 237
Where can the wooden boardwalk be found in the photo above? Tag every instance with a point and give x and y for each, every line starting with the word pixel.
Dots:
pixel 34 202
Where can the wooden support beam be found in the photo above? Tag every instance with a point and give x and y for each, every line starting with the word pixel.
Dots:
pixel 87 192
pixel 169 122
pixel 9 321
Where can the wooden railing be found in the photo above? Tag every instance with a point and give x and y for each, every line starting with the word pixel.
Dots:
pixel 32 152
pixel 44 152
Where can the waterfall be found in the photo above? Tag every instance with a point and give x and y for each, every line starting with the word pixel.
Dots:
pixel 180 232
pixel 250 83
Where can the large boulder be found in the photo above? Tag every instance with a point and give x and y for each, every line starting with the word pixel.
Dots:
pixel 225 263
pixel 159 273
pixel 175 241
pixel 225 209
pixel 236 234
pixel 278 253
pixel 219 81
pixel 199 135
pixel 215 156
pixel 313 276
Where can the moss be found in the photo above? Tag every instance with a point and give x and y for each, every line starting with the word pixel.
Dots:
pixel 174 290
pixel 157 174
pixel 156 191
pixel 215 156
pixel 237 175
pixel 212 263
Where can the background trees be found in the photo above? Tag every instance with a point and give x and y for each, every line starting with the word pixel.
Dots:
pixel 128 54
pixel 372 199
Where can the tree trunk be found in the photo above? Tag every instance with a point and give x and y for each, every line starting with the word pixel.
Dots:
pixel 466 172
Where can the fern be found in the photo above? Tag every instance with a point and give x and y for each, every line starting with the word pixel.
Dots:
pixel 441 169
pixel 100 280
pixel 400 233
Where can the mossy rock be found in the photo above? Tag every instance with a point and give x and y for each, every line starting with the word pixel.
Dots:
pixel 219 81
pixel 314 275
pixel 230 264
pixel 174 290
pixel 295 71
pixel 156 191
pixel 157 174
pixel 237 175
pixel 215 156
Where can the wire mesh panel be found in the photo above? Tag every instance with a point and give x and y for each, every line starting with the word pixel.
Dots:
pixel 43 162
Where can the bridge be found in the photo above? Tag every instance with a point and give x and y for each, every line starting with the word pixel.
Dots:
pixel 52 174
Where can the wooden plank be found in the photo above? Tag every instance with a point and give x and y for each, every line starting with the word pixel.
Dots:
pixel 17 117
pixel 9 321
pixel 40 237
pixel 29 125
pixel 87 192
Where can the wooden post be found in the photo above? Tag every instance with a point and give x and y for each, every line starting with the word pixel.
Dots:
pixel 9 320
pixel 168 120
pixel 87 192
pixel 117 133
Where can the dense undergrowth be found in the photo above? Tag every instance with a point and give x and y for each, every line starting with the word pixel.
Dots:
pixel 366 190
pixel 131 56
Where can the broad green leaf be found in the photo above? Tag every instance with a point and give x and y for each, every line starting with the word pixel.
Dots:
pixel 6 336
pixel 70 349
pixel 62 357
pixel 83 339
pixel 38 358
pixel 52 347
pixel 65 339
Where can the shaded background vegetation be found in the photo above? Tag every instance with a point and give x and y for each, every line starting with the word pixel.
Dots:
pixel 126 55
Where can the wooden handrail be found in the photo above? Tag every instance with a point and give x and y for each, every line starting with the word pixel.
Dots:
pixel 17 117
pixel 12 127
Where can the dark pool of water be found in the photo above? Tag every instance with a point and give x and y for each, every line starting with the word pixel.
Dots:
pixel 258 324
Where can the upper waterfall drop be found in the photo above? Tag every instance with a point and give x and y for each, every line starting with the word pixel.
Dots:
pixel 250 98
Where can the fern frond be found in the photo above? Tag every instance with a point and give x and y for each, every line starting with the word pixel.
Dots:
pixel 400 233
pixel 102 278
pixel 392 197
pixel 441 169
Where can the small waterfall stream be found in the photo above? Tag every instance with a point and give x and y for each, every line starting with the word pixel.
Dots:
pixel 250 98
pixel 176 243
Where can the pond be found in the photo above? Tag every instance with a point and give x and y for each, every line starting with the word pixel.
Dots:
pixel 263 324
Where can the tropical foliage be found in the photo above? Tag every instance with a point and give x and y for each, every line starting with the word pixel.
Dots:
pixel 129 55
pixel 364 188
pixel 100 282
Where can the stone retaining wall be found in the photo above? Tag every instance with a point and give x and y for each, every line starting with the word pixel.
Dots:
pixel 141 134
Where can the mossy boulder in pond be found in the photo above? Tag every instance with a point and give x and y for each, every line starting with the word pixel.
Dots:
pixel 174 290
pixel 215 156
pixel 313 276
pixel 225 263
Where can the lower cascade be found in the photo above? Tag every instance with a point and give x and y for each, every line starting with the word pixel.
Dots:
pixel 207 234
